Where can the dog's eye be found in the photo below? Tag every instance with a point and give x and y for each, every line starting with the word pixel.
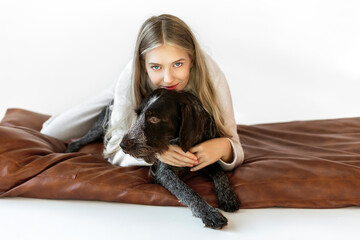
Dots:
pixel 153 120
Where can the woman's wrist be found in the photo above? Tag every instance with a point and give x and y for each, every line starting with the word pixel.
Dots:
pixel 228 151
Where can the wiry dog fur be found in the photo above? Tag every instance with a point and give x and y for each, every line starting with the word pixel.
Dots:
pixel 168 117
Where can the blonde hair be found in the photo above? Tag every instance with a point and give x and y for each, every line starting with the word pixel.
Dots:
pixel 171 30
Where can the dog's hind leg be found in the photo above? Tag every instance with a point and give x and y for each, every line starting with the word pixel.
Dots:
pixel 94 134
pixel 210 216
pixel 228 200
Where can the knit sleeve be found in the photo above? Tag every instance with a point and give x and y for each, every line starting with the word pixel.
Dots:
pixel 121 119
pixel 226 107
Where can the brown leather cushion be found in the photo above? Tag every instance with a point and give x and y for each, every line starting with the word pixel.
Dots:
pixel 312 164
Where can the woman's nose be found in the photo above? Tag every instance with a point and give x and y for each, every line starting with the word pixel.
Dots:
pixel 168 76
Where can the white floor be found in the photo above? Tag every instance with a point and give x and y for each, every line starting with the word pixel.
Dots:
pixel 23 218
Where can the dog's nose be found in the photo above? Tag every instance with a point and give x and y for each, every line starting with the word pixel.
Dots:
pixel 127 144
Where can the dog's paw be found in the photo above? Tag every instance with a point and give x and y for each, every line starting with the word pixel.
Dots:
pixel 72 147
pixel 229 202
pixel 214 219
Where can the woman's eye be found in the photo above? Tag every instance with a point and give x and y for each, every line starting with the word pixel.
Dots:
pixel 178 64
pixel 155 67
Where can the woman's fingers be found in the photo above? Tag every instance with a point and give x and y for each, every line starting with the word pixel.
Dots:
pixel 175 156
pixel 171 160
pixel 201 165
pixel 184 156
pixel 187 154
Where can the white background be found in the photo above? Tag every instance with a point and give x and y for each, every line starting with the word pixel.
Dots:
pixel 284 60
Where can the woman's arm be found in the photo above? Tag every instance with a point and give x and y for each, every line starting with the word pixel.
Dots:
pixel 77 121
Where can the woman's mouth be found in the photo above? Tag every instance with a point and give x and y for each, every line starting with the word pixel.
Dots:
pixel 171 87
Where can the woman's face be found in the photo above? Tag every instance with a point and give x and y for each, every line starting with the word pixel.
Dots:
pixel 168 67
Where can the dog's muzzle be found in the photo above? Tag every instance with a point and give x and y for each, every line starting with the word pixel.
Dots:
pixel 127 144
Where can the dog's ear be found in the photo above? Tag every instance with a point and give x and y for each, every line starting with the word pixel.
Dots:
pixel 192 123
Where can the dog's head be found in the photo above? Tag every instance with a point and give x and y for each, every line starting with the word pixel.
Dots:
pixel 166 117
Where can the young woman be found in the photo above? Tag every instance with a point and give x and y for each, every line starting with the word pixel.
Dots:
pixel 167 55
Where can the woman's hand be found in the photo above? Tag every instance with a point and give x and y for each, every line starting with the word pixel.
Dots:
pixel 211 151
pixel 175 156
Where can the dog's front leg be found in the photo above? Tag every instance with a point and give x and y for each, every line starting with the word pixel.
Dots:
pixel 228 200
pixel 210 216
pixel 94 134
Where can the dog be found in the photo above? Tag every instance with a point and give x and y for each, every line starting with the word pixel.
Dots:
pixel 178 118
